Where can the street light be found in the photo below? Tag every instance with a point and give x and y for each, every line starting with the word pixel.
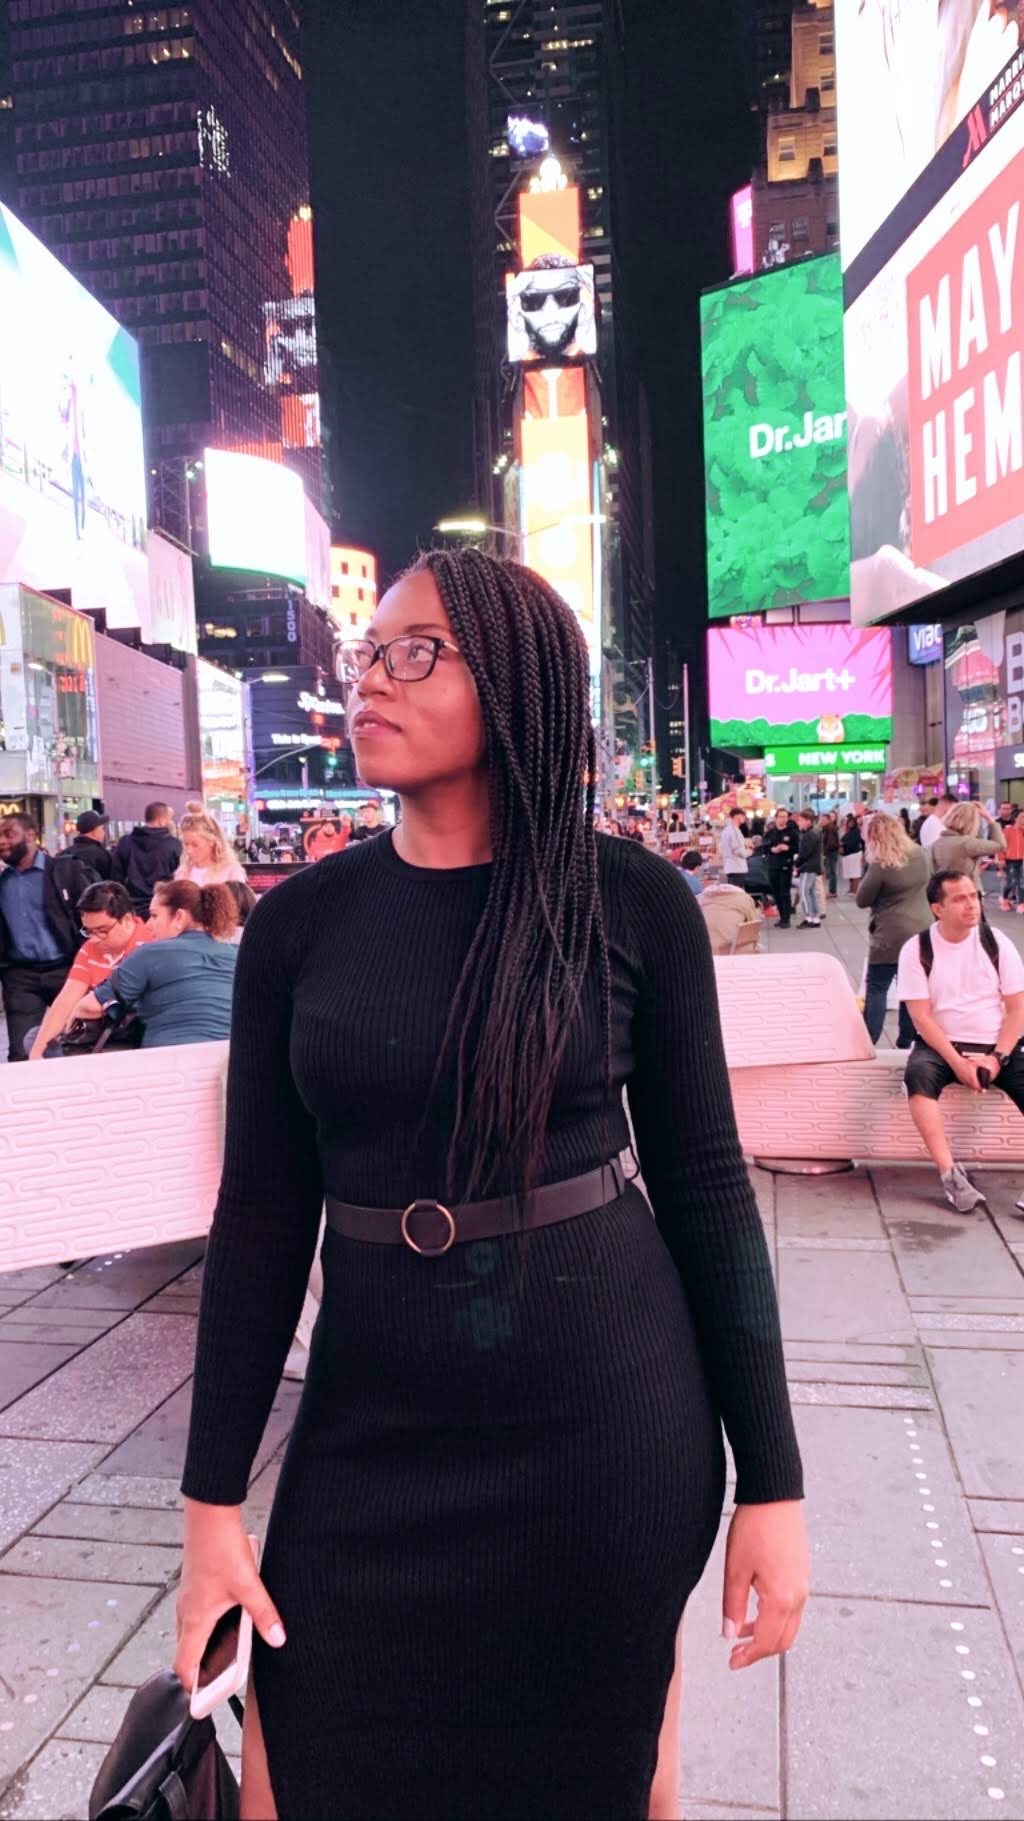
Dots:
pixel 479 527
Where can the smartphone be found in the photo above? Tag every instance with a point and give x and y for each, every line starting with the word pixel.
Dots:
pixel 224 1664
pixel 984 1078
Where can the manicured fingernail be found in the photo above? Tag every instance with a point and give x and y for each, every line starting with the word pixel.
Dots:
pixel 275 1636
pixel 728 1630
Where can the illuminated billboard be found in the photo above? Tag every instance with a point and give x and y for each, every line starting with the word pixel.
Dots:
pixel 557 513
pixel 551 312
pixel 171 615
pixel 289 329
pixel 741 214
pixel 256 515
pixel 72 467
pixel 800 686
pixel 775 440
pixel 931 182
pixel 222 734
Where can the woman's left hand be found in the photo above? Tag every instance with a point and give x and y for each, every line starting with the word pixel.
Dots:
pixel 767 1554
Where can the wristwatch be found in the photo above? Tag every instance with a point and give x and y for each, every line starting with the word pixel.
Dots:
pixel 1002 1057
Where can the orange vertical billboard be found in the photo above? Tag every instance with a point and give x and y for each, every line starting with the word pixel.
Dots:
pixel 555 443
pixel 557 516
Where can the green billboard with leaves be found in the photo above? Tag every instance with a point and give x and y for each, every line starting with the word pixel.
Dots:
pixel 775 440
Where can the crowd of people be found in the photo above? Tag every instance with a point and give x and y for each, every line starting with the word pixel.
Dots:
pixel 133 943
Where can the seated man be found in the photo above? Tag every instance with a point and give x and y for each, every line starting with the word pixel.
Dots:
pixel 692 864
pixel 963 985
pixel 725 908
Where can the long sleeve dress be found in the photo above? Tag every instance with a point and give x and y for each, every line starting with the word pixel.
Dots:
pixel 507 1470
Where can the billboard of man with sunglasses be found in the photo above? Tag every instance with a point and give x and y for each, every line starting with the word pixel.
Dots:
pixel 551 312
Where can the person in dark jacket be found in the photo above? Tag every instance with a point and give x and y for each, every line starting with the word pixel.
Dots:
pixel 39 931
pixel 781 839
pixel 830 851
pixel 90 845
pixel 808 866
pixel 894 889
pixel 148 856
pixel 851 843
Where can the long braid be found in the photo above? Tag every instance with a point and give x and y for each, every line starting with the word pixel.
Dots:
pixel 517 996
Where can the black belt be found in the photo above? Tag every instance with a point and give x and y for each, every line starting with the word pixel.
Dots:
pixel 478 1219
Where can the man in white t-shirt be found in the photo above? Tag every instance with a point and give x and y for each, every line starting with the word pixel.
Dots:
pixel 935 825
pixel 963 985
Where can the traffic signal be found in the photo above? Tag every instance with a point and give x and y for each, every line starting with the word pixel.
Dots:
pixel 678 767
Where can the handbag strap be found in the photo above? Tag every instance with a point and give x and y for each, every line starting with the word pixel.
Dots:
pixel 238 1708
pixel 173 1794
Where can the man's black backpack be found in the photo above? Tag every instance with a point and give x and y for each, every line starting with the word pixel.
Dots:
pixel 988 942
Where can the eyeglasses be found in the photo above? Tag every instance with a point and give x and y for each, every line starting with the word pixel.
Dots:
pixel 533 301
pixel 409 659
pixel 101 935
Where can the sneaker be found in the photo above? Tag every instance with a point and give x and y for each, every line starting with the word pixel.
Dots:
pixel 810 923
pixel 960 1191
pixel 1020 910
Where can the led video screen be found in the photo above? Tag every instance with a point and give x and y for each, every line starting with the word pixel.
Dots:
pixel 931 185
pixel 799 686
pixel 551 312
pixel 256 515
pixel 775 440
pixel 72 466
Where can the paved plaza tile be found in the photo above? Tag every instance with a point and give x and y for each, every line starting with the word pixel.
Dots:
pixel 903 1698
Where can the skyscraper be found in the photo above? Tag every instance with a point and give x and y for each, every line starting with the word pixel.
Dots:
pixel 792 85
pixel 161 154
pixel 554 92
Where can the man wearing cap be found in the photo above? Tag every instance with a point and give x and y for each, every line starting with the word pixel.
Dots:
pixel 90 844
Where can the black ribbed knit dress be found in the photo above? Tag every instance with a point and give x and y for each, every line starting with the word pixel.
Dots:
pixel 506 1474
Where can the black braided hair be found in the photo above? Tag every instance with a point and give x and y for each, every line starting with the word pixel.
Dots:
pixel 520 987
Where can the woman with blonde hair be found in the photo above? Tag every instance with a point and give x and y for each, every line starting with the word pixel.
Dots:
pixel 893 889
pixel 207 860
pixel 960 848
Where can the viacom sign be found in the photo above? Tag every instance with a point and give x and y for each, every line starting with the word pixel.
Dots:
pixel 924 644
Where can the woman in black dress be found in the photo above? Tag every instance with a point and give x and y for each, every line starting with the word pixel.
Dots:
pixel 507 1469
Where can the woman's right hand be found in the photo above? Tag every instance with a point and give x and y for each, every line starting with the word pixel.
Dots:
pixel 218 1572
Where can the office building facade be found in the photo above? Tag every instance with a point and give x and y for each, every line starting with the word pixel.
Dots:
pixel 792 86
pixel 161 154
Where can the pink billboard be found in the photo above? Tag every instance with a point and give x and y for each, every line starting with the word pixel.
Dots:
pixel 742 213
pixel 790 685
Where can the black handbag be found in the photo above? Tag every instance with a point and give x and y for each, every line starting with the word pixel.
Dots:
pixel 91 1036
pixel 163 1765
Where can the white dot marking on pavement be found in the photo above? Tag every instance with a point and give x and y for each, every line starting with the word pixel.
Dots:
pixel 956 1625
pixel 28 1699
pixel 931 1525
pixel 974 1701
pixel 940 1562
pixel 982 1732
pixel 997 1794
pixel 962 1650
pixel 988 1760
pixel 968 1675
pixel 945 1583
pixel 920 1476
pixel 935 1542
pixel 1017 1549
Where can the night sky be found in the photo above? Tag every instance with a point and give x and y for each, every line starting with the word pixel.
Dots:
pixel 390 200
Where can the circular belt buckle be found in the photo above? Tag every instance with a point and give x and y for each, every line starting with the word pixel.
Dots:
pixel 429 1251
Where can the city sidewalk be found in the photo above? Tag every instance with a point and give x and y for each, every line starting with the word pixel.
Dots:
pixel 904 1329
